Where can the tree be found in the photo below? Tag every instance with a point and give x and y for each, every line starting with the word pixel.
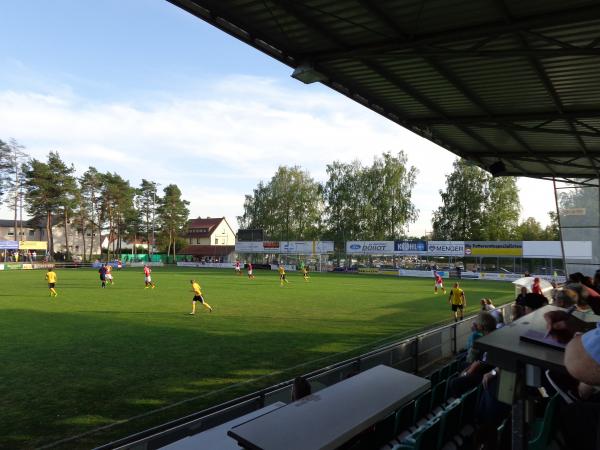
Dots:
pixel 288 207
pixel 369 202
pixel 90 206
pixel 147 202
pixel 117 203
pixel 42 195
pixel 65 189
pixel 529 230
pixel 173 215
pixel 12 179
pixel 462 214
pixel 501 214
pixel 552 230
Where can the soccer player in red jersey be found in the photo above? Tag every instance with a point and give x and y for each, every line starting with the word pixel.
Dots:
pixel 439 283
pixel 148 277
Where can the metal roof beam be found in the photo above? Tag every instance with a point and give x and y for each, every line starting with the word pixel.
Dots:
pixel 571 15
pixel 447 53
pixel 515 127
pixel 523 117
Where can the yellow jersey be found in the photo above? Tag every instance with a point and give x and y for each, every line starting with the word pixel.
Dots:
pixel 196 289
pixel 457 296
pixel 51 277
pixel 281 270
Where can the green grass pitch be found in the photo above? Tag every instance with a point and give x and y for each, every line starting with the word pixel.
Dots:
pixel 93 357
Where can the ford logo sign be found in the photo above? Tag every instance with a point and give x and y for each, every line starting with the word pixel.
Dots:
pixel 354 246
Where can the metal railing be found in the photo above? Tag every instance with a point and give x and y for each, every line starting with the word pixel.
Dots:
pixel 416 354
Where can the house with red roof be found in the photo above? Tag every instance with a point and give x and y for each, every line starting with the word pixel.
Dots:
pixel 209 238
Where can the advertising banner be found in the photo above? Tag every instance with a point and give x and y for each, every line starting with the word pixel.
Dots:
pixel 33 245
pixel 249 247
pixel 370 247
pixel 410 247
pixel 9 245
pixel 494 248
pixel 446 248
pixel 306 247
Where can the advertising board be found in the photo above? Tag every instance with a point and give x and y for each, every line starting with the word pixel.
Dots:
pixel 494 248
pixel 306 247
pixel 446 248
pixel 370 247
pixel 33 245
pixel 9 245
pixel 410 247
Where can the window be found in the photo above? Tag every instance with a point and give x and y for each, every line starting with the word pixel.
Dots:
pixel 216 240
pixel 11 233
pixel 31 233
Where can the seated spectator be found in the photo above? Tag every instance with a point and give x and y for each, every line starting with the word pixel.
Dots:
pixel 476 333
pixel 485 306
pixel 474 373
pixel 520 300
pixel 534 301
pixel 300 389
pixel 517 311
pixel 579 421
pixel 564 298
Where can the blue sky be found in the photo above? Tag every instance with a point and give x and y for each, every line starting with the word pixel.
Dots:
pixel 145 89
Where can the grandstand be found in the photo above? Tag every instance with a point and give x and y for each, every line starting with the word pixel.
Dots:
pixel 511 86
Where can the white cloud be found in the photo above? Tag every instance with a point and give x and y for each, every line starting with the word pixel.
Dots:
pixel 218 144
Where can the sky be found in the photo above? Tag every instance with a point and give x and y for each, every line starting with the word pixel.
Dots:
pixel 144 89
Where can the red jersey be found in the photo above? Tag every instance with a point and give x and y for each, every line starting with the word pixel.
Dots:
pixel 438 279
pixel 536 288
pixel 249 266
pixel 147 271
pixel 237 264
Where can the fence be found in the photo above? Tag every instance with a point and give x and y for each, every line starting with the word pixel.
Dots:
pixel 416 354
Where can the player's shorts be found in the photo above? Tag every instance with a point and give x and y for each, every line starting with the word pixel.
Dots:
pixel 51 285
pixel 198 298
pixel 249 273
pixel 439 285
pixel 102 277
pixel 237 269
pixel 282 277
pixel 457 307
pixel 148 279
pixel 109 276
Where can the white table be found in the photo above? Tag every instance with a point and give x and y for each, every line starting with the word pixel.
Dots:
pixel 216 438
pixel 334 415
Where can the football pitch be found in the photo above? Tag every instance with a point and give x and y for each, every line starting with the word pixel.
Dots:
pixel 94 357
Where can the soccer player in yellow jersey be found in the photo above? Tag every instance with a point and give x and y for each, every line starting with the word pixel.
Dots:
pixel 198 297
pixel 305 273
pixel 51 278
pixel 282 278
pixel 458 301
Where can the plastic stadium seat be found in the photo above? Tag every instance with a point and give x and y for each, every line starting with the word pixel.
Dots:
pixel 426 438
pixel 469 402
pixel 385 430
pixel 455 366
pixel 450 423
pixel 448 381
pixel 422 406
pixel 405 417
pixel 541 430
pixel 434 377
pixel 444 372
pixel 438 396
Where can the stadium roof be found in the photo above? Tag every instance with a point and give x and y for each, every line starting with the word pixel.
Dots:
pixel 510 85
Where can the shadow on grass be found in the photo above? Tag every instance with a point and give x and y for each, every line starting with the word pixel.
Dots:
pixel 68 373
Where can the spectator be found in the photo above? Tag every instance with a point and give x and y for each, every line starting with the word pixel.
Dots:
pixel 473 375
pixel 300 389
pixel 484 305
pixel 579 421
pixel 596 281
pixel 534 301
pixel 520 300
pixel 536 288
pixel 517 311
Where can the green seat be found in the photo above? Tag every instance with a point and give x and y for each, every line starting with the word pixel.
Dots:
pixel 384 430
pixel 454 366
pixel 422 406
pixel 541 430
pixel 438 394
pixel 444 372
pixel 425 438
pixel 450 378
pixel 450 423
pixel 434 377
pixel 469 402
pixel 405 417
